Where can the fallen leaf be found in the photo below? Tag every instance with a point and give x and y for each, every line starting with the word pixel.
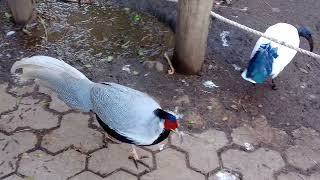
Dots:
pixel 136 18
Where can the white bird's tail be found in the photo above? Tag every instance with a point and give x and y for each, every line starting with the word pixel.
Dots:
pixel 71 85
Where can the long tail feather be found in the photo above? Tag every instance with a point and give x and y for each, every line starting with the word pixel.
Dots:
pixel 71 85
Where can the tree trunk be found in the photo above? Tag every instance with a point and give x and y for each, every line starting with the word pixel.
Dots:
pixel 191 35
pixel 22 10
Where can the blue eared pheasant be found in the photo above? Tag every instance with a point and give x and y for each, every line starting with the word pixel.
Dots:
pixel 268 58
pixel 126 114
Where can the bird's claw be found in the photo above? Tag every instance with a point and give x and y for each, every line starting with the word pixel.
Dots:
pixel 135 157
pixel 136 160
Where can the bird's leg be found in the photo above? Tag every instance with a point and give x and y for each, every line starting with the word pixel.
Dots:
pixel 135 157
pixel 180 135
pixel 274 86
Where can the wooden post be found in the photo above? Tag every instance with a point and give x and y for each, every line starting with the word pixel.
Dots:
pixel 191 35
pixel 22 10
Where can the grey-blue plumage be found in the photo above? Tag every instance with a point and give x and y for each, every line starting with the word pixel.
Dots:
pixel 128 112
pixel 125 108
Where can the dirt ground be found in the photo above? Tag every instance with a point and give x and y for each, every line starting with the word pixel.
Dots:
pixel 102 52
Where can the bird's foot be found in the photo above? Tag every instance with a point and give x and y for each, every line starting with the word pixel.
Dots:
pixel 135 157
pixel 274 86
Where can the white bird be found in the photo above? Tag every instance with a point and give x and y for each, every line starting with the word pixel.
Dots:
pixel 268 58
pixel 126 114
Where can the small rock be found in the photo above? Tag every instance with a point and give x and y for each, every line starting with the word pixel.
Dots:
pixel 98 55
pixel 210 67
pixel 159 66
pixel 209 107
pixel 108 59
pixel 10 33
pixel 126 68
pixel 88 66
pixel 225 118
pixel 260 106
pixel 228 1
pixel 161 147
pixel 276 10
pixel 185 82
pixel 224 38
pixel 236 67
pixel 234 107
pixel 135 73
pixel 25 156
pixel 225 175
pixel 209 84
pixel 311 96
pixel 248 146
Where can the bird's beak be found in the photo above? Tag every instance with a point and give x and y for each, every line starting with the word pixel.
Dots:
pixel 310 40
pixel 179 134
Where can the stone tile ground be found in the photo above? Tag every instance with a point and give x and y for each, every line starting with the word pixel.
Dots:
pixel 41 138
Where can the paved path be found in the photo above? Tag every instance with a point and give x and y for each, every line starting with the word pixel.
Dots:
pixel 41 138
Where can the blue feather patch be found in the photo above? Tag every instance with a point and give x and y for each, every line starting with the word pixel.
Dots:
pixel 260 66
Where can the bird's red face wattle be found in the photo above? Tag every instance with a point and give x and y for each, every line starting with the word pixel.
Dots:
pixel 171 125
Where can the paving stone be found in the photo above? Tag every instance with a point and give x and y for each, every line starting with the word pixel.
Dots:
pixel 55 104
pixel 14 177
pixel 30 113
pixel 22 90
pixel 73 131
pixel 7 101
pixel 121 176
pixel 11 147
pixel 202 148
pixel 296 176
pixel 114 157
pixel 260 132
pixel 260 164
pixel 40 166
pixel 115 176
pixel 224 175
pixel 172 165
pixel 306 152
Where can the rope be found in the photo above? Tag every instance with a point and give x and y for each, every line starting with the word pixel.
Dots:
pixel 258 33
